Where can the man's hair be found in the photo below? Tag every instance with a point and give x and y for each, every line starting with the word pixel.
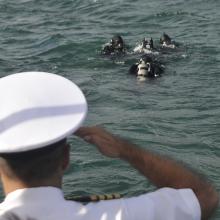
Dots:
pixel 34 165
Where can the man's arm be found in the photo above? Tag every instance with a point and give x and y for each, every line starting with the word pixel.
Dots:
pixel 161 171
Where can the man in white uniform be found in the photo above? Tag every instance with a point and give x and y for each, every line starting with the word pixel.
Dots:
pixel 38 112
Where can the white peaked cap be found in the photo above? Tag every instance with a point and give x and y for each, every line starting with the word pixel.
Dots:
pixel 38 109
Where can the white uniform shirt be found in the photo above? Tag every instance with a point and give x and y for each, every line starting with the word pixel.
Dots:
pixel 48 203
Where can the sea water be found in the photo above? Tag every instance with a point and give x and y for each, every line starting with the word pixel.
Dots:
pixel 176 114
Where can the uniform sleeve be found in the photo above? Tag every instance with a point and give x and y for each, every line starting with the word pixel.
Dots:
pixel 163 204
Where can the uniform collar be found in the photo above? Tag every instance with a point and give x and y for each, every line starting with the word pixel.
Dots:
pixel 36 194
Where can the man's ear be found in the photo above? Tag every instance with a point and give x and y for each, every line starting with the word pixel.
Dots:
pixel 66 156
pixel 2 164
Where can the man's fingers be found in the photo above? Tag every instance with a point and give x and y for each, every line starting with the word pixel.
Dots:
pixel 97 136
pixel 87 131
pixel 89 134
pixel 84 131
